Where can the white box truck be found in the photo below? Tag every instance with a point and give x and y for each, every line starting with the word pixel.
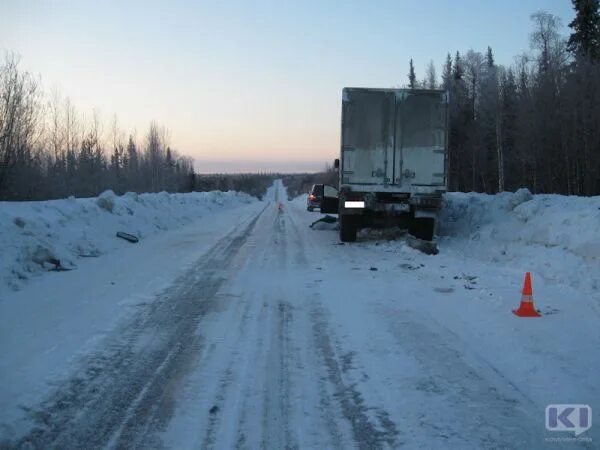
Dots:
pixel 393 161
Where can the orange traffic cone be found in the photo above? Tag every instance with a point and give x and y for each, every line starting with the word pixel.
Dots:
pixel 526 308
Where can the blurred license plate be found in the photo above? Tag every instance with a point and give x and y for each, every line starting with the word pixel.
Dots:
pixel 354 204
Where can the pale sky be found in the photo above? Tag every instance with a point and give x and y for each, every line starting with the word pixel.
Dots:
pixel 249 85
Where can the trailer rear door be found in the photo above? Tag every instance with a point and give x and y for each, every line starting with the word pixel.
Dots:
pixel 367 136
pixel 420 138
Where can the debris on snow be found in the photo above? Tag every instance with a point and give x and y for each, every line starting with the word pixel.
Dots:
pixel 128 237
pixel 326 222
pixel 427 247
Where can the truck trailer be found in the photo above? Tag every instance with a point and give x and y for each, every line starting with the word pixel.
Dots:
pixel 393 161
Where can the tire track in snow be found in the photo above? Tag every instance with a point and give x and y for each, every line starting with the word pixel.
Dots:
pixel 124 391
pixel 472 385
pixel 367 434
pixel 259 359
pixel 276 412
pixel 329 411
pixel 231 378
pixel 254 393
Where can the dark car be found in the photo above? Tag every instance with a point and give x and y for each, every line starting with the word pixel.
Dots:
pixel 315 196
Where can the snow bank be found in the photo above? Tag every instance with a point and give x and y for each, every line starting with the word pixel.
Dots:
pixel 554 235
pixel 34 236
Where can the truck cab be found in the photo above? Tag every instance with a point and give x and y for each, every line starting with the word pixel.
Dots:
pixel 393 160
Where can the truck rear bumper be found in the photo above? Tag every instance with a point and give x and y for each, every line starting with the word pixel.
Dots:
pixel 358 203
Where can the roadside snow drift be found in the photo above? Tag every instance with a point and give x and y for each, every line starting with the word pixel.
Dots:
pixel 34 236
pixel 554 235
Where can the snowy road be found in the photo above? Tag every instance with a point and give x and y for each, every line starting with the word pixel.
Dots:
pixel 275 336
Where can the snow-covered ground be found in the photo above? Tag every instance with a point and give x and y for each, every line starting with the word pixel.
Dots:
pixel 247 329
pixel 555 236
pixel 452 312
pixel 71 230
pixel 49 319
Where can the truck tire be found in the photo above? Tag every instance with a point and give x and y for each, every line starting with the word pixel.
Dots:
pixel 422 228
pixel 347 228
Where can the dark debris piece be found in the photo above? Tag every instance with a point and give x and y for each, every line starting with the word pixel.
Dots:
pixel 128 237
pixel 58 267
pixel 327 219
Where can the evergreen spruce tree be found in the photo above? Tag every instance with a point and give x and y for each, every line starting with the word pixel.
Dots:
pixel 133 166
pixel 457 70
pixel 412 78
pixel 490 57
pixel 585 38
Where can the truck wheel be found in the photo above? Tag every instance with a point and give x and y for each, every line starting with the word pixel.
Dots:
pixel 347 228
pixel 422 228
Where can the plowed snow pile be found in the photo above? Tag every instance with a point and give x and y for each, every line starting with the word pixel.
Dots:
pixel 554 235
pixel 33 234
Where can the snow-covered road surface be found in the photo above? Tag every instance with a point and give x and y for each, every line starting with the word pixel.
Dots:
pixel 276 336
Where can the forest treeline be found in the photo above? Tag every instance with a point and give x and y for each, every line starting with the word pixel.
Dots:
pixel 48 150
pixel 535 124
pixel 256 184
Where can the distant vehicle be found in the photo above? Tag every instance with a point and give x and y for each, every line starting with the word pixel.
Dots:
pixel 315 196
pixel 393 161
